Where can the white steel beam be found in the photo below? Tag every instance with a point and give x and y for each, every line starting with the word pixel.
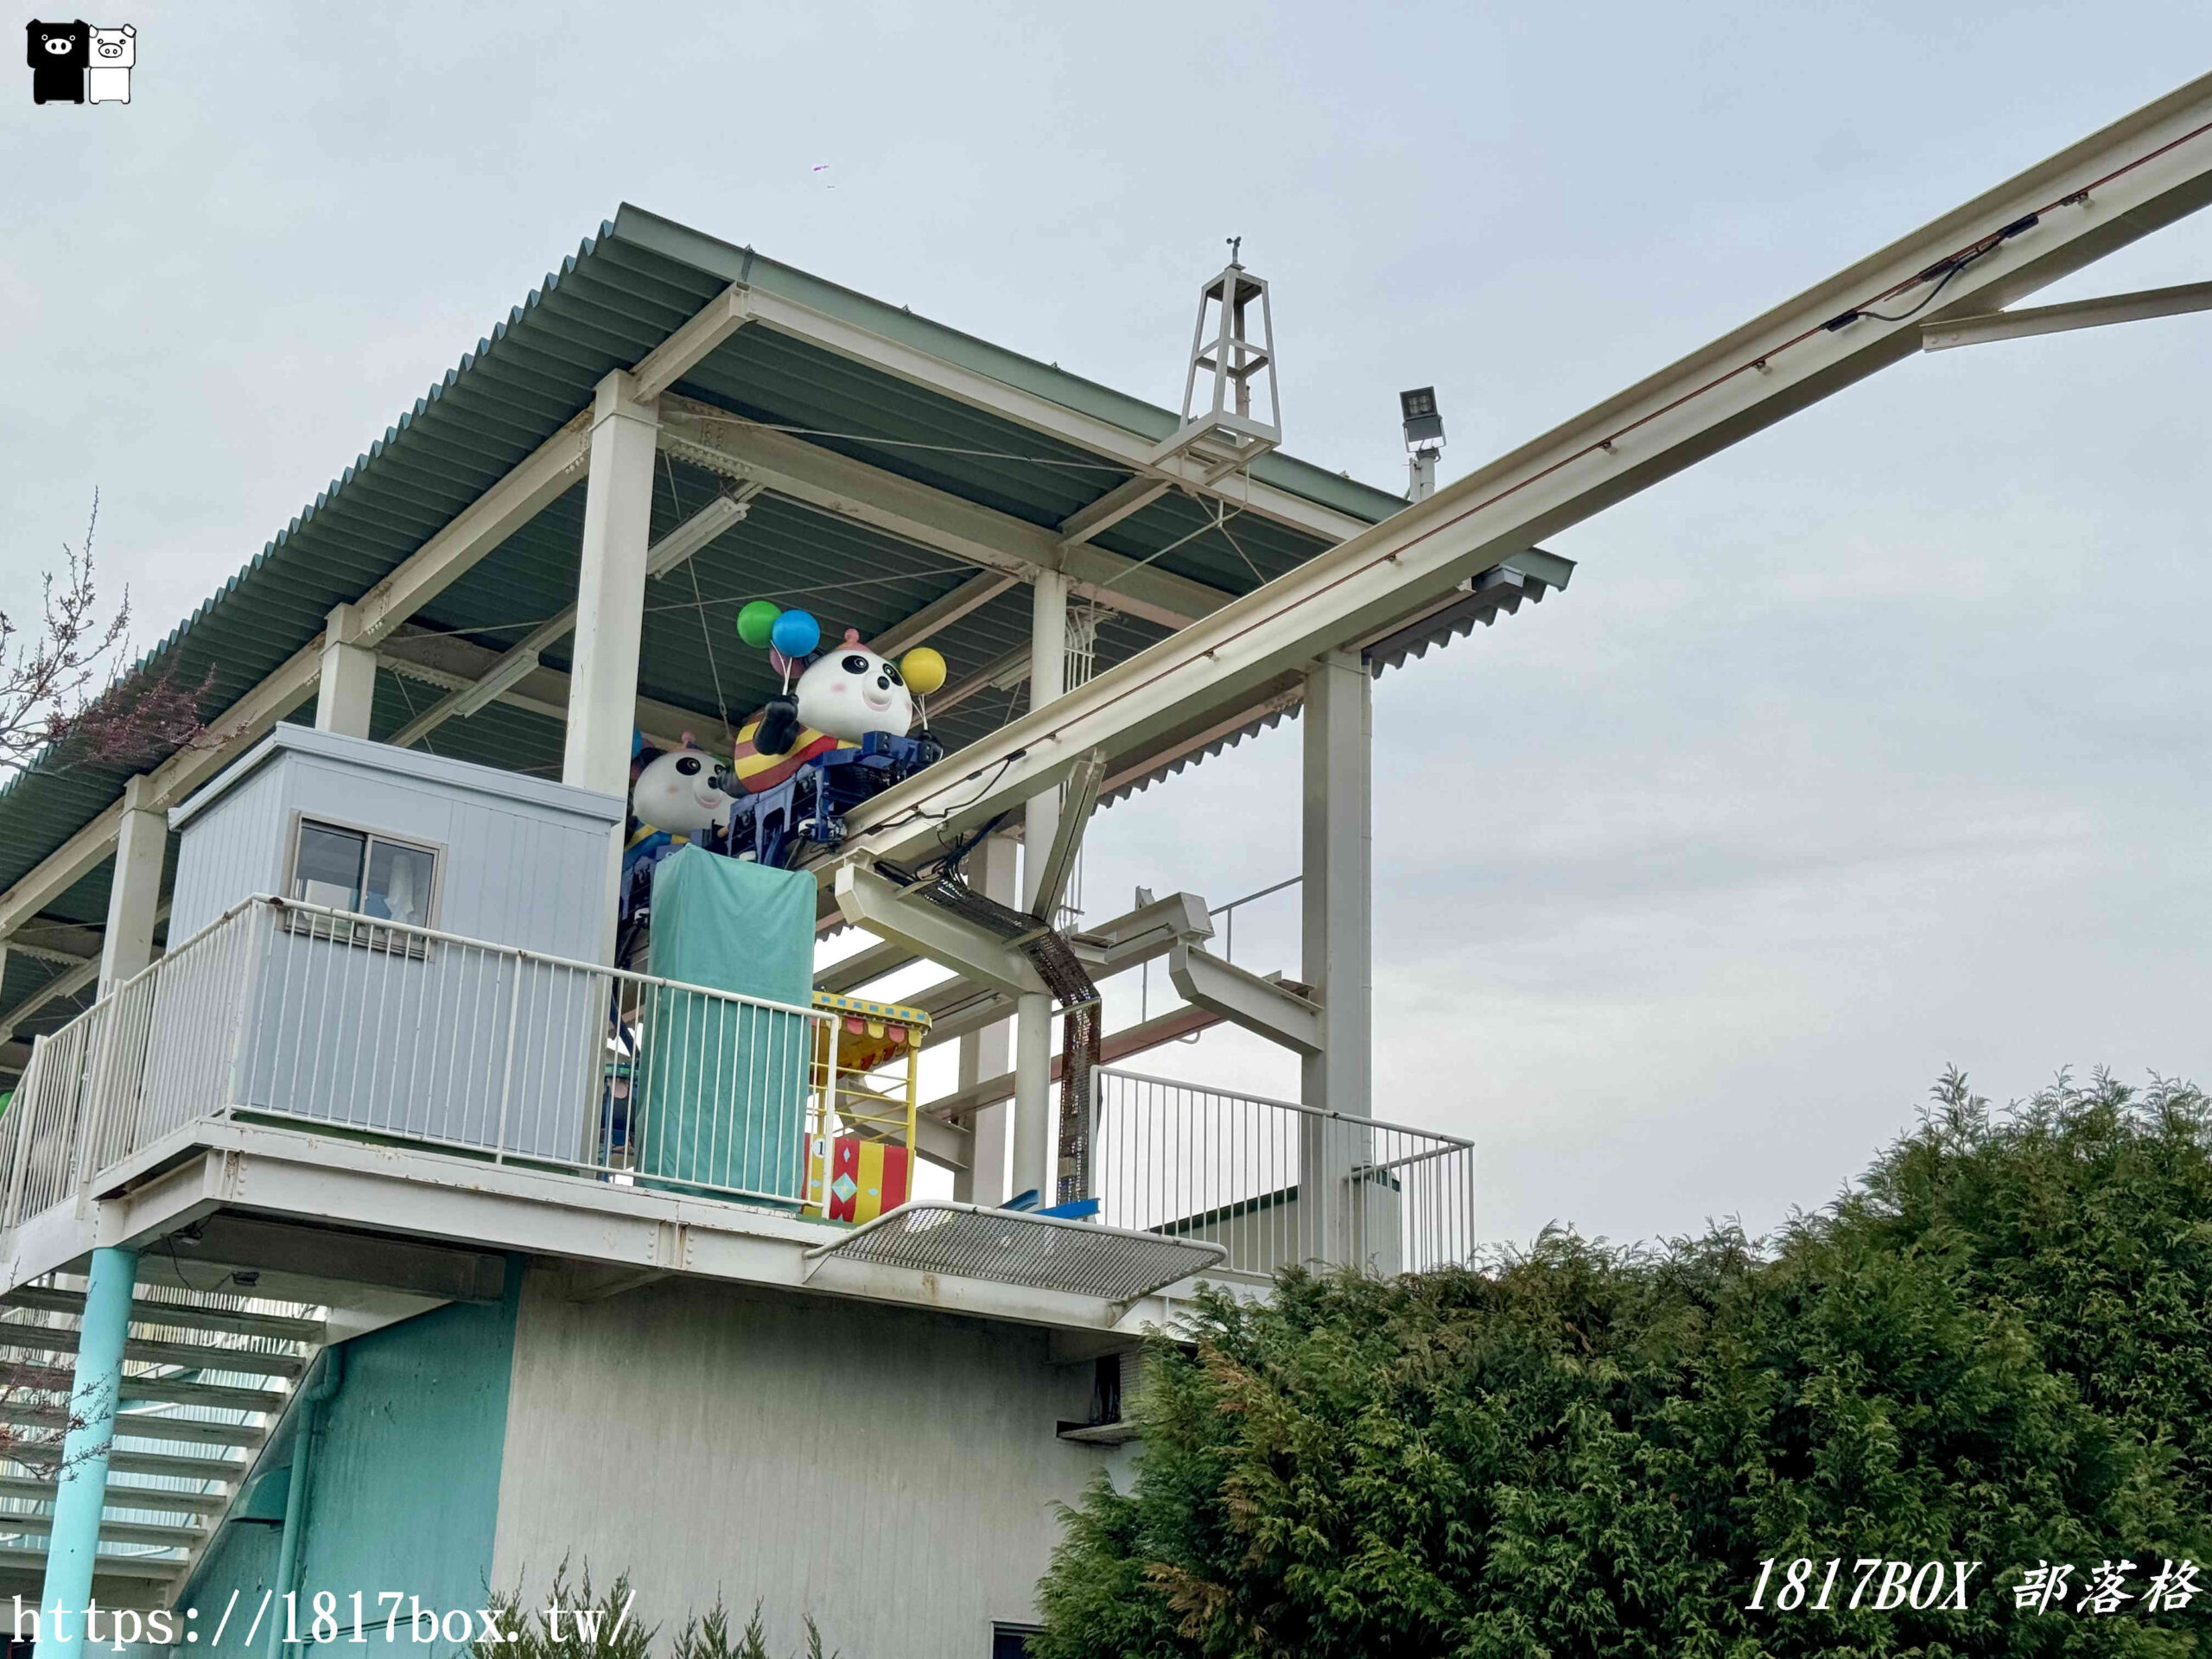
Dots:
pixel 936 1141
pixel 63 984
pixel 2059 319
pixel 986 1096
pixel 891 911
pixel 550 470
pixel 134 894
pixel 2109 190
pixel 1130 497
pixel 518 663
pixel 453 664
pixel 1336 915
pixel 1055 859
pixel 936 520
pixel 959 1009
pixel 1124 448
pixel 346 687
pixel 934 618
pixel 846 975
pixel 1033 1112
pixel 987 1051
pixel 611 591
pixel 56 942
pixel 1263 1005
pixel 691 345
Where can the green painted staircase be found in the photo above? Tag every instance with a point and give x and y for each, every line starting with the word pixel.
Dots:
pixel 205 1380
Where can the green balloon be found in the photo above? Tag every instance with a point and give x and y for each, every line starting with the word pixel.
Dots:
pixel 756 621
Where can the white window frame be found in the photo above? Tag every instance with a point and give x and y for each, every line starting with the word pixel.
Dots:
pixel 370 934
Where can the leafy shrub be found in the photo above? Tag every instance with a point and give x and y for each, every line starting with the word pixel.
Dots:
pixel 1996 1347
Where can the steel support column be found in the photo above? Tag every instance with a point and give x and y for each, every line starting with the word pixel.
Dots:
pixel 611 606
pixel 1032 1057
pixel 134 893
pixel 80 1492
pixel 346 692
pixel 989 1052
pixel 1336 951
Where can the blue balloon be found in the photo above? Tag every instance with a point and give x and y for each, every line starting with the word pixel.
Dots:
pixel 795 633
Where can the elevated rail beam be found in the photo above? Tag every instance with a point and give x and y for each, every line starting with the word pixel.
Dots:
pixel 2138 174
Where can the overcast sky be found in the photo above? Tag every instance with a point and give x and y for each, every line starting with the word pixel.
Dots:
pixel 1875 744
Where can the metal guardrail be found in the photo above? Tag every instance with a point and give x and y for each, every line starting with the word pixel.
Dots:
pixel 284 1011
pixel 294 1013
pixel 1279 1183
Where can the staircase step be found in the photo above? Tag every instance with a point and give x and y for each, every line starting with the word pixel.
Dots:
pixel 176 1313
pixel 46 1339
pixel 140 1426
pixel 168 1391
pixel 112 1532
pixel 122 1496
pixel 167 1463
pixel 104 1567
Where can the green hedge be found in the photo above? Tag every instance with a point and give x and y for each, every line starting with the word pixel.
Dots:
pixel 1996 1347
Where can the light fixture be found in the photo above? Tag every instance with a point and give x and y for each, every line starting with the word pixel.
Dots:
pixel 515 665
pixel 1424 439
pixel 694 532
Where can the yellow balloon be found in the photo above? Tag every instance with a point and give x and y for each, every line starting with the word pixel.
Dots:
pixel 924 671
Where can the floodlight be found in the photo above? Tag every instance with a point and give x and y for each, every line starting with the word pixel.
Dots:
pixel 1424 426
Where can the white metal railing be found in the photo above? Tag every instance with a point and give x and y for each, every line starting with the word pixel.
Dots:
pixel 1277 1183
pixel 279 1010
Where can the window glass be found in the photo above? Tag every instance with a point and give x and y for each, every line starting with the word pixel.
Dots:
pixel 398 884
pixel 328 869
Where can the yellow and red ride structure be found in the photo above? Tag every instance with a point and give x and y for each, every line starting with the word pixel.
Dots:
pixel 860 1143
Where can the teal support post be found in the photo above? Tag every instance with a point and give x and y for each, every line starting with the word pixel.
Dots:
pixel 81 1492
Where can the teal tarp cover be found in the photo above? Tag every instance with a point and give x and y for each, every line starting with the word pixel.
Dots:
pixel 722 1085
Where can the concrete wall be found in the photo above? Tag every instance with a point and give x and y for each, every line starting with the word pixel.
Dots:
pixel 894 1473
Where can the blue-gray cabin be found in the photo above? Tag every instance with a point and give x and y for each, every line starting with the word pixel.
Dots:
pixel 385 1028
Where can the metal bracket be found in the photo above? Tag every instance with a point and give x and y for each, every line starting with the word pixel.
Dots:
pixel 885 909
pixel 1084 779
pixel 1266 1007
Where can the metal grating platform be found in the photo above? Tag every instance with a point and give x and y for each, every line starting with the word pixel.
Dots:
pixel 1044 1252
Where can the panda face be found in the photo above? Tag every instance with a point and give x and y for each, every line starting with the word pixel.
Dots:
pixel 674 792
pixel 850 691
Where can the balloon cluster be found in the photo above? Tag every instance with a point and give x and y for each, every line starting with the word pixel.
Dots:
pixel 787 636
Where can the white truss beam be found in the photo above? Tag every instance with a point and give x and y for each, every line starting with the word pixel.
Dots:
pixel 933 518
pixel 1113 1048
pixel 62 985
pixel 453 664
pixel 1124 448
pixel 519 663
pixel 2136 175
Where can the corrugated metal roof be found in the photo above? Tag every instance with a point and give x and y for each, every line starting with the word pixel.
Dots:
pixel 608 305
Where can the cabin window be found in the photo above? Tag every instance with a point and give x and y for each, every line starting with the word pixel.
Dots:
pixel 369 874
